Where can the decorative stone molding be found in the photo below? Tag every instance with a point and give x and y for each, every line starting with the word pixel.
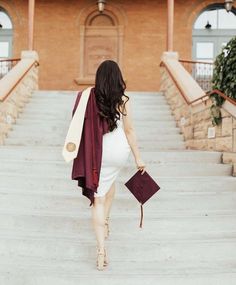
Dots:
pixel 195 123
pixel 9 7
pixel 101 38
pixel 16 89
pixel 197 8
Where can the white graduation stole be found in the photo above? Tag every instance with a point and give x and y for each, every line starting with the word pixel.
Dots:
pixel 73 137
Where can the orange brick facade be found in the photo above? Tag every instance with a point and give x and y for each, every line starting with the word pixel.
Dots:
pixel 57 37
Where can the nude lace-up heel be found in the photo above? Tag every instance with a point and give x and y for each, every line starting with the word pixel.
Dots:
pixel 101 258
pixel 107 230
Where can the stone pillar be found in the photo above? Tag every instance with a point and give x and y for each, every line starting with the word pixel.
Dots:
pixel 170 55
pixel 29 54
pixel 170 25
pixel 31 24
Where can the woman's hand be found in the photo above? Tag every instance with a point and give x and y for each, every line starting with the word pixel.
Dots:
pixel 140 165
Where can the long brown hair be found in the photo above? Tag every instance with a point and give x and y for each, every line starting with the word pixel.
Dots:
pixel 109 90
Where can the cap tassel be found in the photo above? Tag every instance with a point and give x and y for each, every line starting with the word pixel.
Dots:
pixel 141 218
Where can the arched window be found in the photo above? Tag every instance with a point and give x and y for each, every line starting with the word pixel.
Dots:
pixel 5 35
pixel 213 28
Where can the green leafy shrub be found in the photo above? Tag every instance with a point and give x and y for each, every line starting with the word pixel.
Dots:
pixel 224 79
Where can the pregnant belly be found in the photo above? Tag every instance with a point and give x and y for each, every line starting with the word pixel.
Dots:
pixel 116 149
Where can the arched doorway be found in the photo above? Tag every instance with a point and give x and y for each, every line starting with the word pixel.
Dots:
pixel 213 28
pixel 101 38
pixel 5 34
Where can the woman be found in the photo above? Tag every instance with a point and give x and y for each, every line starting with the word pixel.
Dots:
pixel 110 136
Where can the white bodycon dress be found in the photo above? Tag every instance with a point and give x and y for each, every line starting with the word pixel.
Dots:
pixel 115 153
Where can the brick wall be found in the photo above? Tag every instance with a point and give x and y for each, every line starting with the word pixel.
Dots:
pixel 57 38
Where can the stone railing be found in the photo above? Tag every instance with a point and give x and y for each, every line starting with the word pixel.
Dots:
pixel 191 109
pixel 16 88
pixel 6 65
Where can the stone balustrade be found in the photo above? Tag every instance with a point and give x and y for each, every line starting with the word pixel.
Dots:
pixel 194 120
pixel 16 89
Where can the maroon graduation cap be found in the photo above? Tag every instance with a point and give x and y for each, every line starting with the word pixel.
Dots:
pixel 143 187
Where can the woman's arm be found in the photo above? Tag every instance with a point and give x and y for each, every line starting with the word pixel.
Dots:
pixel 131 136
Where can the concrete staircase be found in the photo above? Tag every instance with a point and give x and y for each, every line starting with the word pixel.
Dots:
pixel 189 234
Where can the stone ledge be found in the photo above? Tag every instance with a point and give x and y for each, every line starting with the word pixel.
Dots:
pixel 229 157
pixel 16 89
pixel 84 81
pixel 188 86
pixel 11 79
pixel 194 120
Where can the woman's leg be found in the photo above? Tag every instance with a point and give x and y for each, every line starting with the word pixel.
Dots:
pixel 98 217
pixel 109 198
pixel 108 202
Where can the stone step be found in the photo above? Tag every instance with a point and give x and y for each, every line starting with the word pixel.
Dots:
pixel 188 227
pixel 40 142
pixel 188 169
pixel 39 116
pixel 44 169
pixel 37 104
pixel 139 123
pixel 134 213
pixel 155 138
pixel 144 145
pixel 39 100
pixel 131 95
pixel 65 94
pixel 162 145
pixel 17 134
pixel 28 122
pixel 152 109
pixel 160 171
pixel 53 107
pixel 156 128
pixel 144 93
pixel 124 202
pixel 139 103
pixel 134 108
pixel 117 266
pixel 57 161
pixel 57 96
pixel 166 274
pixel 146 98
pixel 43 100
pixel 56 93
pixel 154 125
pixel 133 101
pixel 65 186
pixel 162 116
pixel 54 154
pixel 181 156
pixel 153 251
